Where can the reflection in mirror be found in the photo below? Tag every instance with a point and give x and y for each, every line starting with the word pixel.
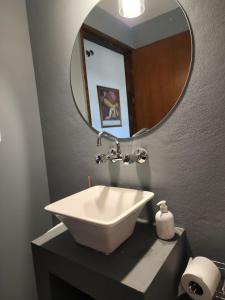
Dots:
pixel 128 73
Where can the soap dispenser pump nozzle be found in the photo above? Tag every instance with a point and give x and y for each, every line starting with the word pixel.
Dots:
pixel 163 207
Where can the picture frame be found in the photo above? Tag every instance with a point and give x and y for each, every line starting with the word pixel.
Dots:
pixel 109 106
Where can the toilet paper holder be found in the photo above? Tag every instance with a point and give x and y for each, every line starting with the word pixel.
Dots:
pixel 220 293
pixel 223 288
pixel 196 289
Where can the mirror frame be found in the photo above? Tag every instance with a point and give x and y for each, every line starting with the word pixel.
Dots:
pixel 148 130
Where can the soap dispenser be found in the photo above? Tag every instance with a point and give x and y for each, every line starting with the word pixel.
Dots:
pixel 165 227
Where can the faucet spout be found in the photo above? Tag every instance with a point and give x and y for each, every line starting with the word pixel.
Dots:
pixel 115 154
pixel 99 140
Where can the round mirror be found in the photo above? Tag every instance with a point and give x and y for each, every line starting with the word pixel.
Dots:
pixel 130 64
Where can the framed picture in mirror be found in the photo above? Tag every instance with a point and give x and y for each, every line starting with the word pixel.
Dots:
pixel 109 107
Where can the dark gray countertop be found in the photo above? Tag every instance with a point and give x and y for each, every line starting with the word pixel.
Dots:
pixel 135 264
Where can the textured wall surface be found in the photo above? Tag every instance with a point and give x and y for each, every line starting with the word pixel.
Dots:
pixel 187 151
pixel 23 184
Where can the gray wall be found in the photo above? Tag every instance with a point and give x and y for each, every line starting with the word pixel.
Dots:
pixel 187 151
pixel 23 184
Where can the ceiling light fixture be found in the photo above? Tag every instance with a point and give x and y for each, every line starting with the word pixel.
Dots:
pixel 131 8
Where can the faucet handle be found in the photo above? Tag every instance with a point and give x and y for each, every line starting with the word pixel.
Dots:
pixel 129 159
pixel 126 159
pixel 100 158
pixel 141 155
pixel 113 151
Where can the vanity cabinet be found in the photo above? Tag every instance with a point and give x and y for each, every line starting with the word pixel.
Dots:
pixel 143 268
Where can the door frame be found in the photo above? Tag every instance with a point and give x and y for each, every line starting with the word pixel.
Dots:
pixel 102 39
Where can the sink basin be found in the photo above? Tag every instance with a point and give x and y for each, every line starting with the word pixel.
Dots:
pixel 101 217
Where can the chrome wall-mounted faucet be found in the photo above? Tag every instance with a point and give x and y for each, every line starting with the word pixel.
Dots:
pixel 99 140
pixel 115 154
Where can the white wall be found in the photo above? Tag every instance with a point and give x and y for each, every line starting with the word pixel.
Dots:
pixel 23 180
pixel 106 68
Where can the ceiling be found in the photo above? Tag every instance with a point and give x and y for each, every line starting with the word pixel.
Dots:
pixel 154 8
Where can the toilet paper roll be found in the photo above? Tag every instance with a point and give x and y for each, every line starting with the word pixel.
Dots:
pixel 201 278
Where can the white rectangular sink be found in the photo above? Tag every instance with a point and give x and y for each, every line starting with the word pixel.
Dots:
pixel 101 217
